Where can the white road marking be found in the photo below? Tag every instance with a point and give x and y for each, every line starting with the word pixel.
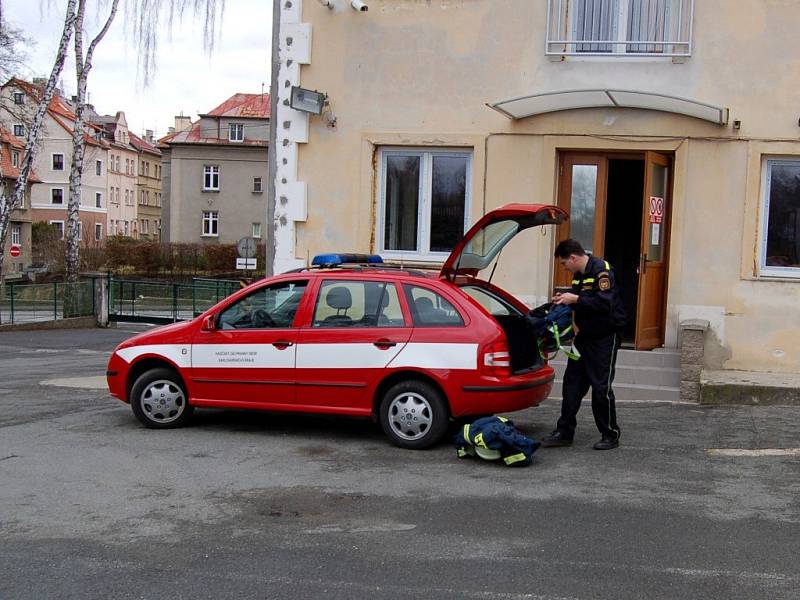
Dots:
pixel 97 382
pixel 753 452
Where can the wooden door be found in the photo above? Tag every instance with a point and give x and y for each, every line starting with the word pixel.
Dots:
pixel 653 257
pixel 582 193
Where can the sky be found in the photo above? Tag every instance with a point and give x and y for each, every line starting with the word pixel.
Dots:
pixel 188 80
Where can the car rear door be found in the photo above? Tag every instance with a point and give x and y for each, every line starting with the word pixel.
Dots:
pixel 249 356
pixel 357 328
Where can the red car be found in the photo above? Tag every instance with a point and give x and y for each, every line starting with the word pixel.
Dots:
pixel 410 348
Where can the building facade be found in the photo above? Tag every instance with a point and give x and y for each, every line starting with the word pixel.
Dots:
pixel 121 176
pixel 148 187
pixel 215 172
pixel 648 121
pixel 50 194
pixel 19 226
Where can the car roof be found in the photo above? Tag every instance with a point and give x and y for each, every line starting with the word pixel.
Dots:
pixel 381 270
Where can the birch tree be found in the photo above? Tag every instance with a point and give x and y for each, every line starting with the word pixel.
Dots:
pixel 83 65
pixel 10 202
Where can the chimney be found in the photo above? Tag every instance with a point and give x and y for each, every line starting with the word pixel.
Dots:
pixel 182 123
pixel 170 130
pixel 148 135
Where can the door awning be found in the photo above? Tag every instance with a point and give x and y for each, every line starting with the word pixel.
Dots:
pixel 536 104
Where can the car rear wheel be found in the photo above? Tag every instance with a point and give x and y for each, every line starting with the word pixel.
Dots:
pixel 413 414
pixel 159 399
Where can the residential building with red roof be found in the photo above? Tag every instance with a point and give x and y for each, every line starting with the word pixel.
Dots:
pixel 49 195
pixel 215 173
pixel 19 226
pixel 121 177
pixel 148 186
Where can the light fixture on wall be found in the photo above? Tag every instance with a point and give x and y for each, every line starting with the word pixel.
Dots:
pixel 327 3
pixel 359 5
pixel 310 101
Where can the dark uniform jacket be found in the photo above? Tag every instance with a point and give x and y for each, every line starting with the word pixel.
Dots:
pixel 496 434
pixel 599 311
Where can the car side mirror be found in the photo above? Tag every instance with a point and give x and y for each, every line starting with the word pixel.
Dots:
pixel 209 323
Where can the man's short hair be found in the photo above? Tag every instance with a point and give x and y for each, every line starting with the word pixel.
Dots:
pixel 568 247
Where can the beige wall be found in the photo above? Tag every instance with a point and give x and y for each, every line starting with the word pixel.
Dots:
pixel 413 73
pixel 149 181
pixel 120 211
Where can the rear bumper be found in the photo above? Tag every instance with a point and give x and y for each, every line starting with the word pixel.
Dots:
pixel 505 395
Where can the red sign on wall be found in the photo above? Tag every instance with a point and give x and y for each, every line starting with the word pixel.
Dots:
pixel 656 209
pixel 14 251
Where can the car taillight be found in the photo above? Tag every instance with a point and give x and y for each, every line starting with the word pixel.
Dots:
pixel 496 359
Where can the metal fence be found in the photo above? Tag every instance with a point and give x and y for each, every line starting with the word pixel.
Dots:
pixel 159 302
pixel 31 302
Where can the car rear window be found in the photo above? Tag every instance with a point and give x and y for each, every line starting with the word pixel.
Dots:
pixel 494 305
pixel 430 309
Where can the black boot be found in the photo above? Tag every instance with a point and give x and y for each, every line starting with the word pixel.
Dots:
pixel 557 438
pixel 607 443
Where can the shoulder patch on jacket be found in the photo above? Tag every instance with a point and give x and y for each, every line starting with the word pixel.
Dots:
pixel 604 282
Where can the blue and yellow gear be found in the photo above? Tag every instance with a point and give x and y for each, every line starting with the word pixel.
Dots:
pixel 494 438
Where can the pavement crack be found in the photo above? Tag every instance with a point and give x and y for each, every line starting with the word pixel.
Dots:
pixel 9 456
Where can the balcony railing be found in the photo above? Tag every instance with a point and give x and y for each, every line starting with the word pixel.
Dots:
pixel 619 27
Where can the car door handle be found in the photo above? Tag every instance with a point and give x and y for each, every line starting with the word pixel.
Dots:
pixel 282 344
pixel 384 344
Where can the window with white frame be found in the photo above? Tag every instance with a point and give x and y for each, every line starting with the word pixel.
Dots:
pixel 425 198
pixel 126 197
pixel 256 230
pixel 619 27
pixel 236 132
pixel 158 198
pixel 57 196
pixel 211 177
pixel 126 227
pixel 98 199
pixel 257 189
pixel 19 130
pixel 210 223
pixel 58 162
pixel 145 228
pixel 98 167
pixel 19 98
pixel 98 232
pixel 80 230
pixel 16 235
pixel 59 227
pixel 780 222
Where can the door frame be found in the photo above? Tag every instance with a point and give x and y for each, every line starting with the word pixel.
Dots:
pixel 566 159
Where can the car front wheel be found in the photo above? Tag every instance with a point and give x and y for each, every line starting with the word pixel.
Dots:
pixel 413 414
pixel 159 399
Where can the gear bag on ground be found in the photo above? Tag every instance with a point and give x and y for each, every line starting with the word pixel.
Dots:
pixel 494 438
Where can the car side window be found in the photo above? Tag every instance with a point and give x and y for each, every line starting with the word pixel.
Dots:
pixel 429 309
pixel 358 304
pixel 270 307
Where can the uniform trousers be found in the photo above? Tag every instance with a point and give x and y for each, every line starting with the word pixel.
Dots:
pixel 594 369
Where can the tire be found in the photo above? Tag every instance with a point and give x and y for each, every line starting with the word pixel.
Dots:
pixel 414 414
pixel 159 399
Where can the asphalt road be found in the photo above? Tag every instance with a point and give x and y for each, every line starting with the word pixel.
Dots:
pixel 251 505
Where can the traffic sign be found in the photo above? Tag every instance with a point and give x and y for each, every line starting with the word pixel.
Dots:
pixel 245 264
pixel 247 247
pixel 14 251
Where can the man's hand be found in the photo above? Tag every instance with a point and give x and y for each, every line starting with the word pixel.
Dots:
pixel 565 298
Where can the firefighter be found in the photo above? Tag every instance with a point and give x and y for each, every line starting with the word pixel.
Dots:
pixel 599 318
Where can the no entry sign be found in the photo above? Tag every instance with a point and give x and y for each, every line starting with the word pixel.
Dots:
pixel 656 209
pixel 14 251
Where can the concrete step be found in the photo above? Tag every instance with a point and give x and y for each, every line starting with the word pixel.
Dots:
pixel 625 392
pixel 625 374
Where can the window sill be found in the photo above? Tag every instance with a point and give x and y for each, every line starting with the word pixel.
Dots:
pixel 210 191
pixel 209 235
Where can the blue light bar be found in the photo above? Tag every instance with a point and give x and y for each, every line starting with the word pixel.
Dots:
pixel 334 260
